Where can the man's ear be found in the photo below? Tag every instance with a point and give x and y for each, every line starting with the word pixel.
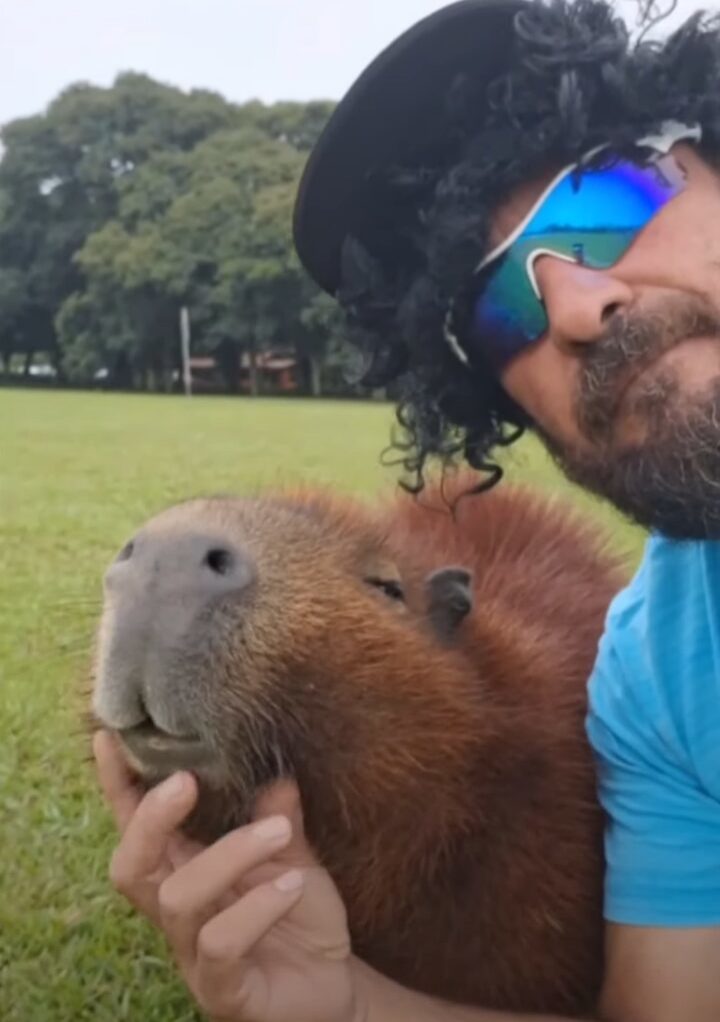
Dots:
pixel 450 600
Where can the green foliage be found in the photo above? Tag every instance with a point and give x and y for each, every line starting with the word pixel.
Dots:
pixel 121 205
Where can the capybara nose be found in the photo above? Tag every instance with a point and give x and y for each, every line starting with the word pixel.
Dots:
pixel 158 591
pixel 191 567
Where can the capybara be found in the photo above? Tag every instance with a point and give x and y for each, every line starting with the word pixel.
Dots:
pixel 421 672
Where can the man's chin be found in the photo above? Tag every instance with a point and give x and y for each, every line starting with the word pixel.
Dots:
pixel 669 485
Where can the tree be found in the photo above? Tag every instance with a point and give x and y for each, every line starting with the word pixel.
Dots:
pixel 60 172
pixel 299 124
pixel 13 301
pixel 324 344
pixel 210 229
pixel 120 205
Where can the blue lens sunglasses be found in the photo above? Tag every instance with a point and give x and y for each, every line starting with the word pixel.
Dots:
pixel 585 216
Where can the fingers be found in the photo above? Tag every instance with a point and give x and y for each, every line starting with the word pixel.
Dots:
pixel 280 798
pixel 299 853
pixel 283 798
pixel 115 779
pixel 224 944
pixel 182 849
pixel 140 862
pixel 192 895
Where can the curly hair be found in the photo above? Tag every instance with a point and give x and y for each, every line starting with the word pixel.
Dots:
pixel 577 81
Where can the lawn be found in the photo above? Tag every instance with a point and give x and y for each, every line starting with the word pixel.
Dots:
pixel 78 472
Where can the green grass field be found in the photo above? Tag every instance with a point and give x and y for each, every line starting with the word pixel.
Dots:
pixel 78 473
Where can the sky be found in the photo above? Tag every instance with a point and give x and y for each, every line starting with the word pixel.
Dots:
pixel 244 49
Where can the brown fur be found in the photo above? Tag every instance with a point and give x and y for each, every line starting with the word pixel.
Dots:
pixel 447 785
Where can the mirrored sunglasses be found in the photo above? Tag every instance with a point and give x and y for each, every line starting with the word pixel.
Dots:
pixel 586 216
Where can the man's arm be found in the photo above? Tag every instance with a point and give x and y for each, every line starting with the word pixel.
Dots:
pixel 653 975
pixel 382 1000
pixel 656 974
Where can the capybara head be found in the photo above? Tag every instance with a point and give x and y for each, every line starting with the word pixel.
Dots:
pixel 243 638
pixel 422 676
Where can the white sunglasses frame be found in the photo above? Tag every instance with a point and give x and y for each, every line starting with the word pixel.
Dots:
pixel 670 134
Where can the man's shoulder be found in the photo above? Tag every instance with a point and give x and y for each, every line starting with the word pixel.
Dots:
pixel 672 605
pixel 655 687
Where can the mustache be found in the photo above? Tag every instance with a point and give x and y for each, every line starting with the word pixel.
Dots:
pixel 631 342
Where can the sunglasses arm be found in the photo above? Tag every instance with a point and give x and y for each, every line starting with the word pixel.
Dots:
pixel 530 266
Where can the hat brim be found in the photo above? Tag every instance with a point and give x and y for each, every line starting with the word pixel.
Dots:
pixel 395 109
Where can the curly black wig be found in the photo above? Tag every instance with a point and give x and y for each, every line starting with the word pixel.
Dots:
pixel 578 80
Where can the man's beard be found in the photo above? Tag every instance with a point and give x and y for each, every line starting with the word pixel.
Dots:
pixel 670 480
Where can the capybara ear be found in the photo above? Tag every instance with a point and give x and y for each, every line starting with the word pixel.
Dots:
pixel 450 600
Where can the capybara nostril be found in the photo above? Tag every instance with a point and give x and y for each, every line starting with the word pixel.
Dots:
pixel 126 552
pixel 221 562
pixel 217 565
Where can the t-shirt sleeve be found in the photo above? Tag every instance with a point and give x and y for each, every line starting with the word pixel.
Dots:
pixel 651 745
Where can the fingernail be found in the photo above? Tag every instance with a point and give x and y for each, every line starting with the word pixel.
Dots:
pixel 275 828
pixel 290 881
pixel 172 788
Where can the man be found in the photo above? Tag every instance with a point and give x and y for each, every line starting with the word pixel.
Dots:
pixel 520 213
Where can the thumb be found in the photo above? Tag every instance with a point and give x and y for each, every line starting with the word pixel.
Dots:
pixel 283 799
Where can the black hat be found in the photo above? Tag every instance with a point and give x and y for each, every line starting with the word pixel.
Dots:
pixel 393 110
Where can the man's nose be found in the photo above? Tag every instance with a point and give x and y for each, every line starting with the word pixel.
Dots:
pixel 579 301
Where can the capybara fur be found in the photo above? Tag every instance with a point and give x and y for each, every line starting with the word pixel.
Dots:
pixel 422 673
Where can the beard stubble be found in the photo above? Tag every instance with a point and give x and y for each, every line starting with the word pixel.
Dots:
pixel 669 480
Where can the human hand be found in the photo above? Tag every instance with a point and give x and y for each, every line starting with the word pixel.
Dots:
pixel 256 925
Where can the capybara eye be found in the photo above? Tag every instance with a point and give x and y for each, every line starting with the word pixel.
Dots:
pixel 219 561
pixel 126 552
pixel 389 586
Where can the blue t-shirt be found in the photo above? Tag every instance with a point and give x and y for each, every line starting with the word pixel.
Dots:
pixel 654 721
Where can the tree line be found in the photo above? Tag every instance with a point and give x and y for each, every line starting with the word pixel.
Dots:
pixel 121 205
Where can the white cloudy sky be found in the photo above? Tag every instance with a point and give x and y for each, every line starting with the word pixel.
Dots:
pixel 270 49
